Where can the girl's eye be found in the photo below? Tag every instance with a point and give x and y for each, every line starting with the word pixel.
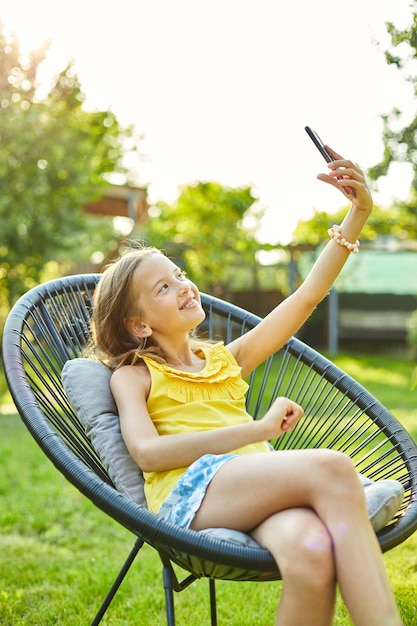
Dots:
pixel 180 275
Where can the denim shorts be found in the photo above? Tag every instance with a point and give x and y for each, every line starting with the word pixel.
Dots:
pixel 185 499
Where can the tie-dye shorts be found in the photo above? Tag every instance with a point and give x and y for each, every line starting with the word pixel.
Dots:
pixel 185 499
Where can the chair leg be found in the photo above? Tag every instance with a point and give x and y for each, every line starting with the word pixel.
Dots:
pixel 213 605
pixel 169 585
pixel 118 581
pixel 172 584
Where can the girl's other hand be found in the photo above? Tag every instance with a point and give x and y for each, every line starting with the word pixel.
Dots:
pixel 281 417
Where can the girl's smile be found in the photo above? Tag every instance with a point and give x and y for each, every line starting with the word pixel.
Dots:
pixel 191 302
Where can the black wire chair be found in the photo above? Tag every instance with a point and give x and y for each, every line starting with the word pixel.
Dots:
pixel 50 325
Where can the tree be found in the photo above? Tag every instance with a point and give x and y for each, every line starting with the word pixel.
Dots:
pixel 400 143
pixel 382 221
pixel 55 156
pixel 211 230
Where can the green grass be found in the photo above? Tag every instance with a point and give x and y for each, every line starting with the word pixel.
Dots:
pixel 59 554
pixel 389 379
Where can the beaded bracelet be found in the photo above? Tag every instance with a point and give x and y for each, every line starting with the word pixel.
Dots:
pixel 335 233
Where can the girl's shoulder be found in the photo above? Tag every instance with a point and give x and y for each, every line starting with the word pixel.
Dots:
pixel 129 377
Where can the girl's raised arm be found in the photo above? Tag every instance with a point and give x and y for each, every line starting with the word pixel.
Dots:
pixel 278 326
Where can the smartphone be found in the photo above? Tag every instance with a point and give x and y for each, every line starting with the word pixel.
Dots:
pixel 319 144
pixel 326 155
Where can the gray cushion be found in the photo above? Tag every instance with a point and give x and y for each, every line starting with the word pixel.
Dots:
pixel 383 500
pixel 87 385
pixel 231 536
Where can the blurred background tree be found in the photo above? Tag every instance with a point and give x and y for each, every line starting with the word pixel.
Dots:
pixel 383 221
pixel 55 156
pixel 211 230
pixel 400 133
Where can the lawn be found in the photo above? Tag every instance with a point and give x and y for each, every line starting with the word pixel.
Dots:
pixel 59 554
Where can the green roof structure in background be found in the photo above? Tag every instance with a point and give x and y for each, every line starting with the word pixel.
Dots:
pixel 373 271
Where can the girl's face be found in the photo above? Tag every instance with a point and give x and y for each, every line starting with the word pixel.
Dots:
pixel 166 300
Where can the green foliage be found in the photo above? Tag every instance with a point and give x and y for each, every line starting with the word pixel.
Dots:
pixel 383 221
pixel 400 137
pixel 209 230
pixel 314 230
pixel 55 156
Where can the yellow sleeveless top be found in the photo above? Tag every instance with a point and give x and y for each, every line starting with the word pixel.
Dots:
pixel 181 402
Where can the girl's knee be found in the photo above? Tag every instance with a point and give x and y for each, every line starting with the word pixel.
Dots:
pixel 336 468
pixel 333 460
pixel 336 488
pixel 304 549
pixel 311 558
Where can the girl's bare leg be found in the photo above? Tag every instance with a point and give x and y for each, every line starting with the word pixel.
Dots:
pixel 304 553
pixel 249 489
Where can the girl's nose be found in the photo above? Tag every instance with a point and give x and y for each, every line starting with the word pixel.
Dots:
pixel 185 288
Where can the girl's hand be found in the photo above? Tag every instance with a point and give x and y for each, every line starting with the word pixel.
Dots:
pixel 281 417
pixel 350 180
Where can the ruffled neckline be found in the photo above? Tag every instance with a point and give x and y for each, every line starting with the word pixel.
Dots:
pixel 219 378
pixel 220 364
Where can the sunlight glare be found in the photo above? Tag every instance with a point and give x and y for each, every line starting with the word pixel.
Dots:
pixel 30 36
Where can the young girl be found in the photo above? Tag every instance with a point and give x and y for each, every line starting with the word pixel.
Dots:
pixel 206 462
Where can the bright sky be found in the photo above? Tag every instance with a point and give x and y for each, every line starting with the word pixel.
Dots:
pixel 222 89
